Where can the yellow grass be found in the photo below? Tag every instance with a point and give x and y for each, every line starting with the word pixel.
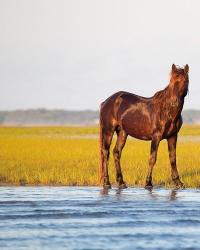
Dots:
pixel 70 156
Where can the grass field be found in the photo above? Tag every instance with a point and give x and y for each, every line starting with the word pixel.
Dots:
pixel 70 156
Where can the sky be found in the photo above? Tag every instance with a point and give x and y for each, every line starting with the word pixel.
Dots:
pixel 73 54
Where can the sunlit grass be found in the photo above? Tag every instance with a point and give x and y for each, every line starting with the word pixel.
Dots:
pixel 70 156
pixel 72 131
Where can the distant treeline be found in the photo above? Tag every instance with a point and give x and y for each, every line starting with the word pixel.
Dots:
pixel 64 117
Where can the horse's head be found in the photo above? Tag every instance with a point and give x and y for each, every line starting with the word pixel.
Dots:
pixel 179 80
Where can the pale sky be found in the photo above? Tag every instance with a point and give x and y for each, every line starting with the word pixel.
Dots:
pixel 72 54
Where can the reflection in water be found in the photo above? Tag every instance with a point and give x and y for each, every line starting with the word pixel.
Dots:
pixel 104 191
pixel 91 218
pixel 171 196
pixel 119 191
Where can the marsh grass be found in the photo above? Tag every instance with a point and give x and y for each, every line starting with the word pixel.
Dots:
pixel 70 156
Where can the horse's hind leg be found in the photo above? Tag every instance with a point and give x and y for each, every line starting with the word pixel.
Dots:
pixel 106 138
pixel 121 140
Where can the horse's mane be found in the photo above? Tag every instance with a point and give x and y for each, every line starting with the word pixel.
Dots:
pixel 163 94
pixel 160 95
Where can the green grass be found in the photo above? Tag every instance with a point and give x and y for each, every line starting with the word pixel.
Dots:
pixel 70 156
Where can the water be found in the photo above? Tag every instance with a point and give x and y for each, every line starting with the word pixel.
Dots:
pixel 87 218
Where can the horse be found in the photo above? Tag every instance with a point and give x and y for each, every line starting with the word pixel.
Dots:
pixel 146 118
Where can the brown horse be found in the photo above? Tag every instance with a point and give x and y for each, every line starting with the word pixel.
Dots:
pixel 155 118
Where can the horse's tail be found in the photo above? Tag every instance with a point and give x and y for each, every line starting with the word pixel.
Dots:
pixel 101 165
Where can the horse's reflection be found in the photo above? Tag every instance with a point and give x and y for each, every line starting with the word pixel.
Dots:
pixel 119 192
pixel 104 191
pixel 172 196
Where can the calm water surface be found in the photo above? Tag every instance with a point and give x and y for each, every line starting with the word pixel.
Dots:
pixel 87 218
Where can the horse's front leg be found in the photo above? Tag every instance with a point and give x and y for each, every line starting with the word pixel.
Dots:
pixel 172 157
pixel 152 160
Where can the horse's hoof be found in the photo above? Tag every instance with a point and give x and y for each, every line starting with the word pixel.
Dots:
pixel 106 186
pixel 123 186
pixel 179 185
pixel 149 187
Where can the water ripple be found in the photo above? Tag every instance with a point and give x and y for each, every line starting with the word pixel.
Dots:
pixel 87 218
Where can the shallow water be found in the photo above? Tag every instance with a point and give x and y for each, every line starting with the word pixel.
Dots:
pixel 87 218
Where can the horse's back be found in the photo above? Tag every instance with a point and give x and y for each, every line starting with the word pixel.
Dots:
pixel 115 104
pixel 129 111
pixel 126 97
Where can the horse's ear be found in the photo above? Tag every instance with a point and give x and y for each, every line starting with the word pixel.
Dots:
pixel 186 68
pixel 174 67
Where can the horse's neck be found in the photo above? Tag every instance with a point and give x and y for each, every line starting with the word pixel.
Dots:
pixel 174 96
pixel 171 104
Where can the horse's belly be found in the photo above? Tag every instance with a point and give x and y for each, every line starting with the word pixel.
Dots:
pixel 137 125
